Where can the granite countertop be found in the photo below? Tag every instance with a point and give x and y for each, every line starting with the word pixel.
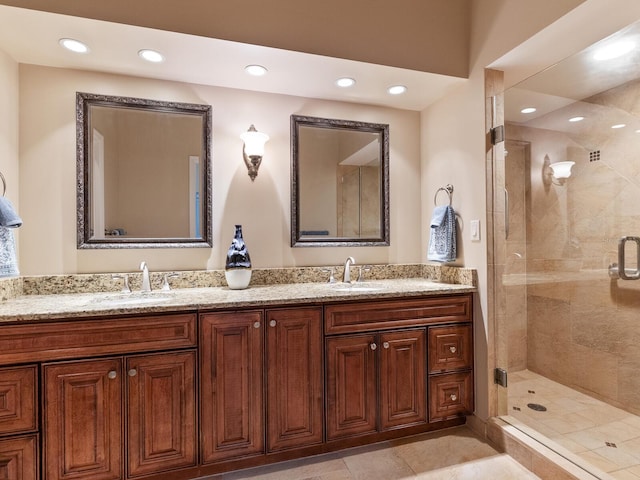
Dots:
pixel 27 308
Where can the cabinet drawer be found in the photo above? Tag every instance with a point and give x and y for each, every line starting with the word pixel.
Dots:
pixel 369 316
pixel 18 458
pixel 107 336
pixel 450 396
pixel 18 400
pixel 450 348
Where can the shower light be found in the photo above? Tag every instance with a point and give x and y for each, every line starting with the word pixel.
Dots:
pixel 576 119
pixel 528 110
pixel 619 125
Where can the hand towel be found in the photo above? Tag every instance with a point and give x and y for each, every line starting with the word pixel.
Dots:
pixel 8 216
pixel 8 258
pixel 442 235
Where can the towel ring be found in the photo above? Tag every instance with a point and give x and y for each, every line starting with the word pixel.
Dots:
pixel 448 189
pixel 4 184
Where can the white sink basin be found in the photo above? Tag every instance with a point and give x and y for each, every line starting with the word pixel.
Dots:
pixel 358 288
pixel 133 299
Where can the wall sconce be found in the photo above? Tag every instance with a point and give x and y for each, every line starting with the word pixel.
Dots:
pixel 253 149
pixel 558 171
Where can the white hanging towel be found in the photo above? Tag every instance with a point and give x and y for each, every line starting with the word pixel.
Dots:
pixel 442 235
pixel 8 258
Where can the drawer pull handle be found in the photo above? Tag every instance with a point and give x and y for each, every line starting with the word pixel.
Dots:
pixel 272 323
pixel 256 325
pixel 133 372
pixel 453 349
pixel 112 374
pixel 385 344
pixel 373 346
pixel 453 397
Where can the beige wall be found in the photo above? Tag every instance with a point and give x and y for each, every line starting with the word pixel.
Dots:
pixel 48 173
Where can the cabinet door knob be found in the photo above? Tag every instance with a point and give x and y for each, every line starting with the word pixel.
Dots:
pixel 112 374
pixel 454 397
pixel 373 346
pixel 453 349
pixel 133 372
pixel 385 344
pixel 256 325
pixel 272 323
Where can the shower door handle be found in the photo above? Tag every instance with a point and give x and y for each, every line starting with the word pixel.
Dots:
pixel 506 214
pixel 619 270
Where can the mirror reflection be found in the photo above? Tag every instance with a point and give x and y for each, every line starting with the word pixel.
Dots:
pixel 339 182
pixel 143 173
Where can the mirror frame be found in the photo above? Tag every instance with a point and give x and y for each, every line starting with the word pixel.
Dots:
pixel 84 101
pixel 298 121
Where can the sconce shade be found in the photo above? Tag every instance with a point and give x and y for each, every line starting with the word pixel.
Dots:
pixel 254 141
pixel 253 150
pixel 561 169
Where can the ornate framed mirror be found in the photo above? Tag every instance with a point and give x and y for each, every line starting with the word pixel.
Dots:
pixel 339 183
pixel 143 173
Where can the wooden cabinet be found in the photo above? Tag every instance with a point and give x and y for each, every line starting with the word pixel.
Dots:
pixel 84 405
pixel 231 385
pixel 19 458
pixel 375 376
pixel 294 378
pixel 161 412
pixel 234 365
pixel 83 420
pixel 450 371
pixel 18 415
pixel 397 364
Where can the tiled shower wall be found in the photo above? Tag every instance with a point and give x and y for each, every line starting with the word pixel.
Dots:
pixel 567 320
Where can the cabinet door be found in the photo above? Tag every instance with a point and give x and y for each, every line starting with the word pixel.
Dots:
pixel 294 378
pixel 161 412
pixel 403 385
pixel 351 385
pixel 83 420
pixel 19 458
pixel 231 385
pixel 18 394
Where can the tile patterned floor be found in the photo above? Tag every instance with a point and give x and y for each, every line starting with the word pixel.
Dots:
pixel 453 454
pixel 601 434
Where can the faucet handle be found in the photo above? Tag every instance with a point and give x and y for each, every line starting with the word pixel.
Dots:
pixel 125 284
pixel 330 271
pixel 165 284
pixel 361 271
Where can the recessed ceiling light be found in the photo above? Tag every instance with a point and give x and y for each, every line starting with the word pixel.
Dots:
pixel 397 89
pixel 255 70
pixel 151 55
pixel 528 110
pixel 345 82
pixel 576 119
pixel 614 50
pixel 73 45
pixel 619 125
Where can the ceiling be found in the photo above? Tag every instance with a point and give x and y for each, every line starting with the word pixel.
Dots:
pixel 562 90
pixel 31 37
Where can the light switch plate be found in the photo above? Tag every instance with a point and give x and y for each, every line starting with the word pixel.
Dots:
pixel 475 230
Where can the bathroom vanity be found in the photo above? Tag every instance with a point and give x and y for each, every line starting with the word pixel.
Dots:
pixel 213 380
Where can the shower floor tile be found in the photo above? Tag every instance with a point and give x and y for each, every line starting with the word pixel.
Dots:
pixel 603 435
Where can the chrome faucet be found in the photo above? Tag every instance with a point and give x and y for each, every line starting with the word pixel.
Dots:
pixel 146 284
pixel 346 276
